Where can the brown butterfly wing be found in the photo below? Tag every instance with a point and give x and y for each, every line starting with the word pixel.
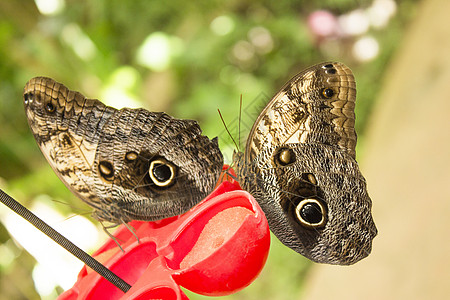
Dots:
pixel 316 106
pixel 299 165
pixel 129 164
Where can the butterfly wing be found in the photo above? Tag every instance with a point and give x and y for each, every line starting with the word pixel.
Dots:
pixel 316 106
pixel 300 166
pixel 129 164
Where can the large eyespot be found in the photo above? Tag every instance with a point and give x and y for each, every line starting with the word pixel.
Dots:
pixel 50 107
pixel 311 213
pixel 162 172
pixel 327 93
pixel 284 156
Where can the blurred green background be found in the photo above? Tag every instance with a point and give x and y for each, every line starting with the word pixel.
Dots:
pixel 183 57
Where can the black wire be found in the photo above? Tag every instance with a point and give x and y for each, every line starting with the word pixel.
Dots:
pixel 64 242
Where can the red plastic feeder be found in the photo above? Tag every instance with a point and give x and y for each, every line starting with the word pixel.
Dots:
pixel 217 248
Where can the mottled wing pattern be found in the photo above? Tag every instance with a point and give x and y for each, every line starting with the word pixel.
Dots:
pixel 299 164
pixel 129 164
pixel 316 106
pixel 67 128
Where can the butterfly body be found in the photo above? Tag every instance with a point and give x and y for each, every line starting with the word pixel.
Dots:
pixel 128 164
pixel 299 164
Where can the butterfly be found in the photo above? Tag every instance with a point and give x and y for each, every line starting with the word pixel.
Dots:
pixel 299 164
pixel 128 164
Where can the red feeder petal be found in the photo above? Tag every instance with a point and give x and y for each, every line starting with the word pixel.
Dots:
pixel 217 248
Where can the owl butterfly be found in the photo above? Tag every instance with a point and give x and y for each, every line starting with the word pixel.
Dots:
pixel 128 164
pixel 299 164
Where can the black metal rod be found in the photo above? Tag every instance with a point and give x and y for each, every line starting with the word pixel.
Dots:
pixel 63 242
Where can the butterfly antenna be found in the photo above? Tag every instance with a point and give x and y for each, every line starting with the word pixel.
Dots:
pixel 78 210
pixel 74 215
pixel 240 119
pixel 226 128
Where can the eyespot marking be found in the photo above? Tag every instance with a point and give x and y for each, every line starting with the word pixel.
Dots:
pixel 162 172
pixel 311 213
